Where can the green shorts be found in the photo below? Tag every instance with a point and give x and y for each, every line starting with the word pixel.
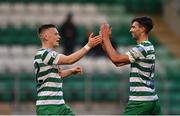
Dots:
pixel 54 110
pixel 143 108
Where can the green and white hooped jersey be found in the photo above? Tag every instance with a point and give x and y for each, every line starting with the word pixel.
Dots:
pixel 49 83
pixel 142 58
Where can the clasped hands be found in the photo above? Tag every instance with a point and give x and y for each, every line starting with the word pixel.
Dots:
pixel 104 35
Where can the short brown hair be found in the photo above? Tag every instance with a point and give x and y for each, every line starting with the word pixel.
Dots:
pixel 44 27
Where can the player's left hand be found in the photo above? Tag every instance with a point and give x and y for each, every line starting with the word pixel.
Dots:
pixel 77 70
pixel 94 40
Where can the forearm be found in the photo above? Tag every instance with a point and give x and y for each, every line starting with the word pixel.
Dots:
pixel 110 51
pixel 79 54
pixel 102 44
pixel 66 73
pixel 117 58
pixel 74 57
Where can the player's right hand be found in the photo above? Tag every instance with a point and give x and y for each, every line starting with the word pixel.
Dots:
pixel 105 31
pixel 93 41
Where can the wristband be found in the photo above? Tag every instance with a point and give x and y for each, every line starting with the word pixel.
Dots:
pixel 87 47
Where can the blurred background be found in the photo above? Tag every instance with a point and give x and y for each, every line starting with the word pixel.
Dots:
pixel 103 88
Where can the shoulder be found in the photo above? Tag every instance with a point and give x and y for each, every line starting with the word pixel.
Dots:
pixel 51 52
pixel 148 47
pixel 46 52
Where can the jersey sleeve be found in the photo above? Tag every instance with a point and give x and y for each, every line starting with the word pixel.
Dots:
pixel 136 53
pixel 50 57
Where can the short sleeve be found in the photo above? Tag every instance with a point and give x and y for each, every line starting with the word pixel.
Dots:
pixel 136 53
pixel 50 57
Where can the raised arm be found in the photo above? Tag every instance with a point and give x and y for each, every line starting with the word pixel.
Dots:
pixel 117 58
pixel 74 57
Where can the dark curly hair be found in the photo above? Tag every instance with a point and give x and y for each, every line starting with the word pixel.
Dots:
pixel 144 21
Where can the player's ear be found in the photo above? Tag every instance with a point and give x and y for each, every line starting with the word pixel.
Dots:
pixel 143 29
pixel 43 36
pixel 40 36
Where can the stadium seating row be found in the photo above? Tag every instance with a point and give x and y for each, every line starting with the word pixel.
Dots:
pixel 33 14
pixel 87 14
pixel 145 6
pixel 23 60
pixel 99 87
pixel 25 35
pixel 22 87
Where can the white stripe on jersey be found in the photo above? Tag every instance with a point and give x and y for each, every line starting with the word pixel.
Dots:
pixel 49 102
pixel 38 60
pixel 136 70
pixel 150 57
pixel 53 75
pixel 147 48
pixel 137 79
pixel 51 84
pixel 143 98
pixel 145 65
pixel 141 89
pixel 40 52
pixel 50 93
pixel 45 68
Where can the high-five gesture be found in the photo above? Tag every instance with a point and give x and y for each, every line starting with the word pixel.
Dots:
pixel 93 41
pixel 74 57
pixel 115 57
pixel 105 31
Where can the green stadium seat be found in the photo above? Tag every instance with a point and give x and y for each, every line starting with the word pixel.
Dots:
pixel 153 6
pixel 6 87
pixel 74 88
pixel 19 36
pixel 27 87
pixel 121 2
pixel 105 87
pixel 174 108
pixel 153 40
pixel 81 40
pixel 137 6
pixel 144 6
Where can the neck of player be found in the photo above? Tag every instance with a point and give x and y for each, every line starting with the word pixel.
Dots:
pixel 143 37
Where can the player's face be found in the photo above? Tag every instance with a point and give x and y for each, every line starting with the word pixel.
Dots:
pixel 53 37
pixel 135 30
